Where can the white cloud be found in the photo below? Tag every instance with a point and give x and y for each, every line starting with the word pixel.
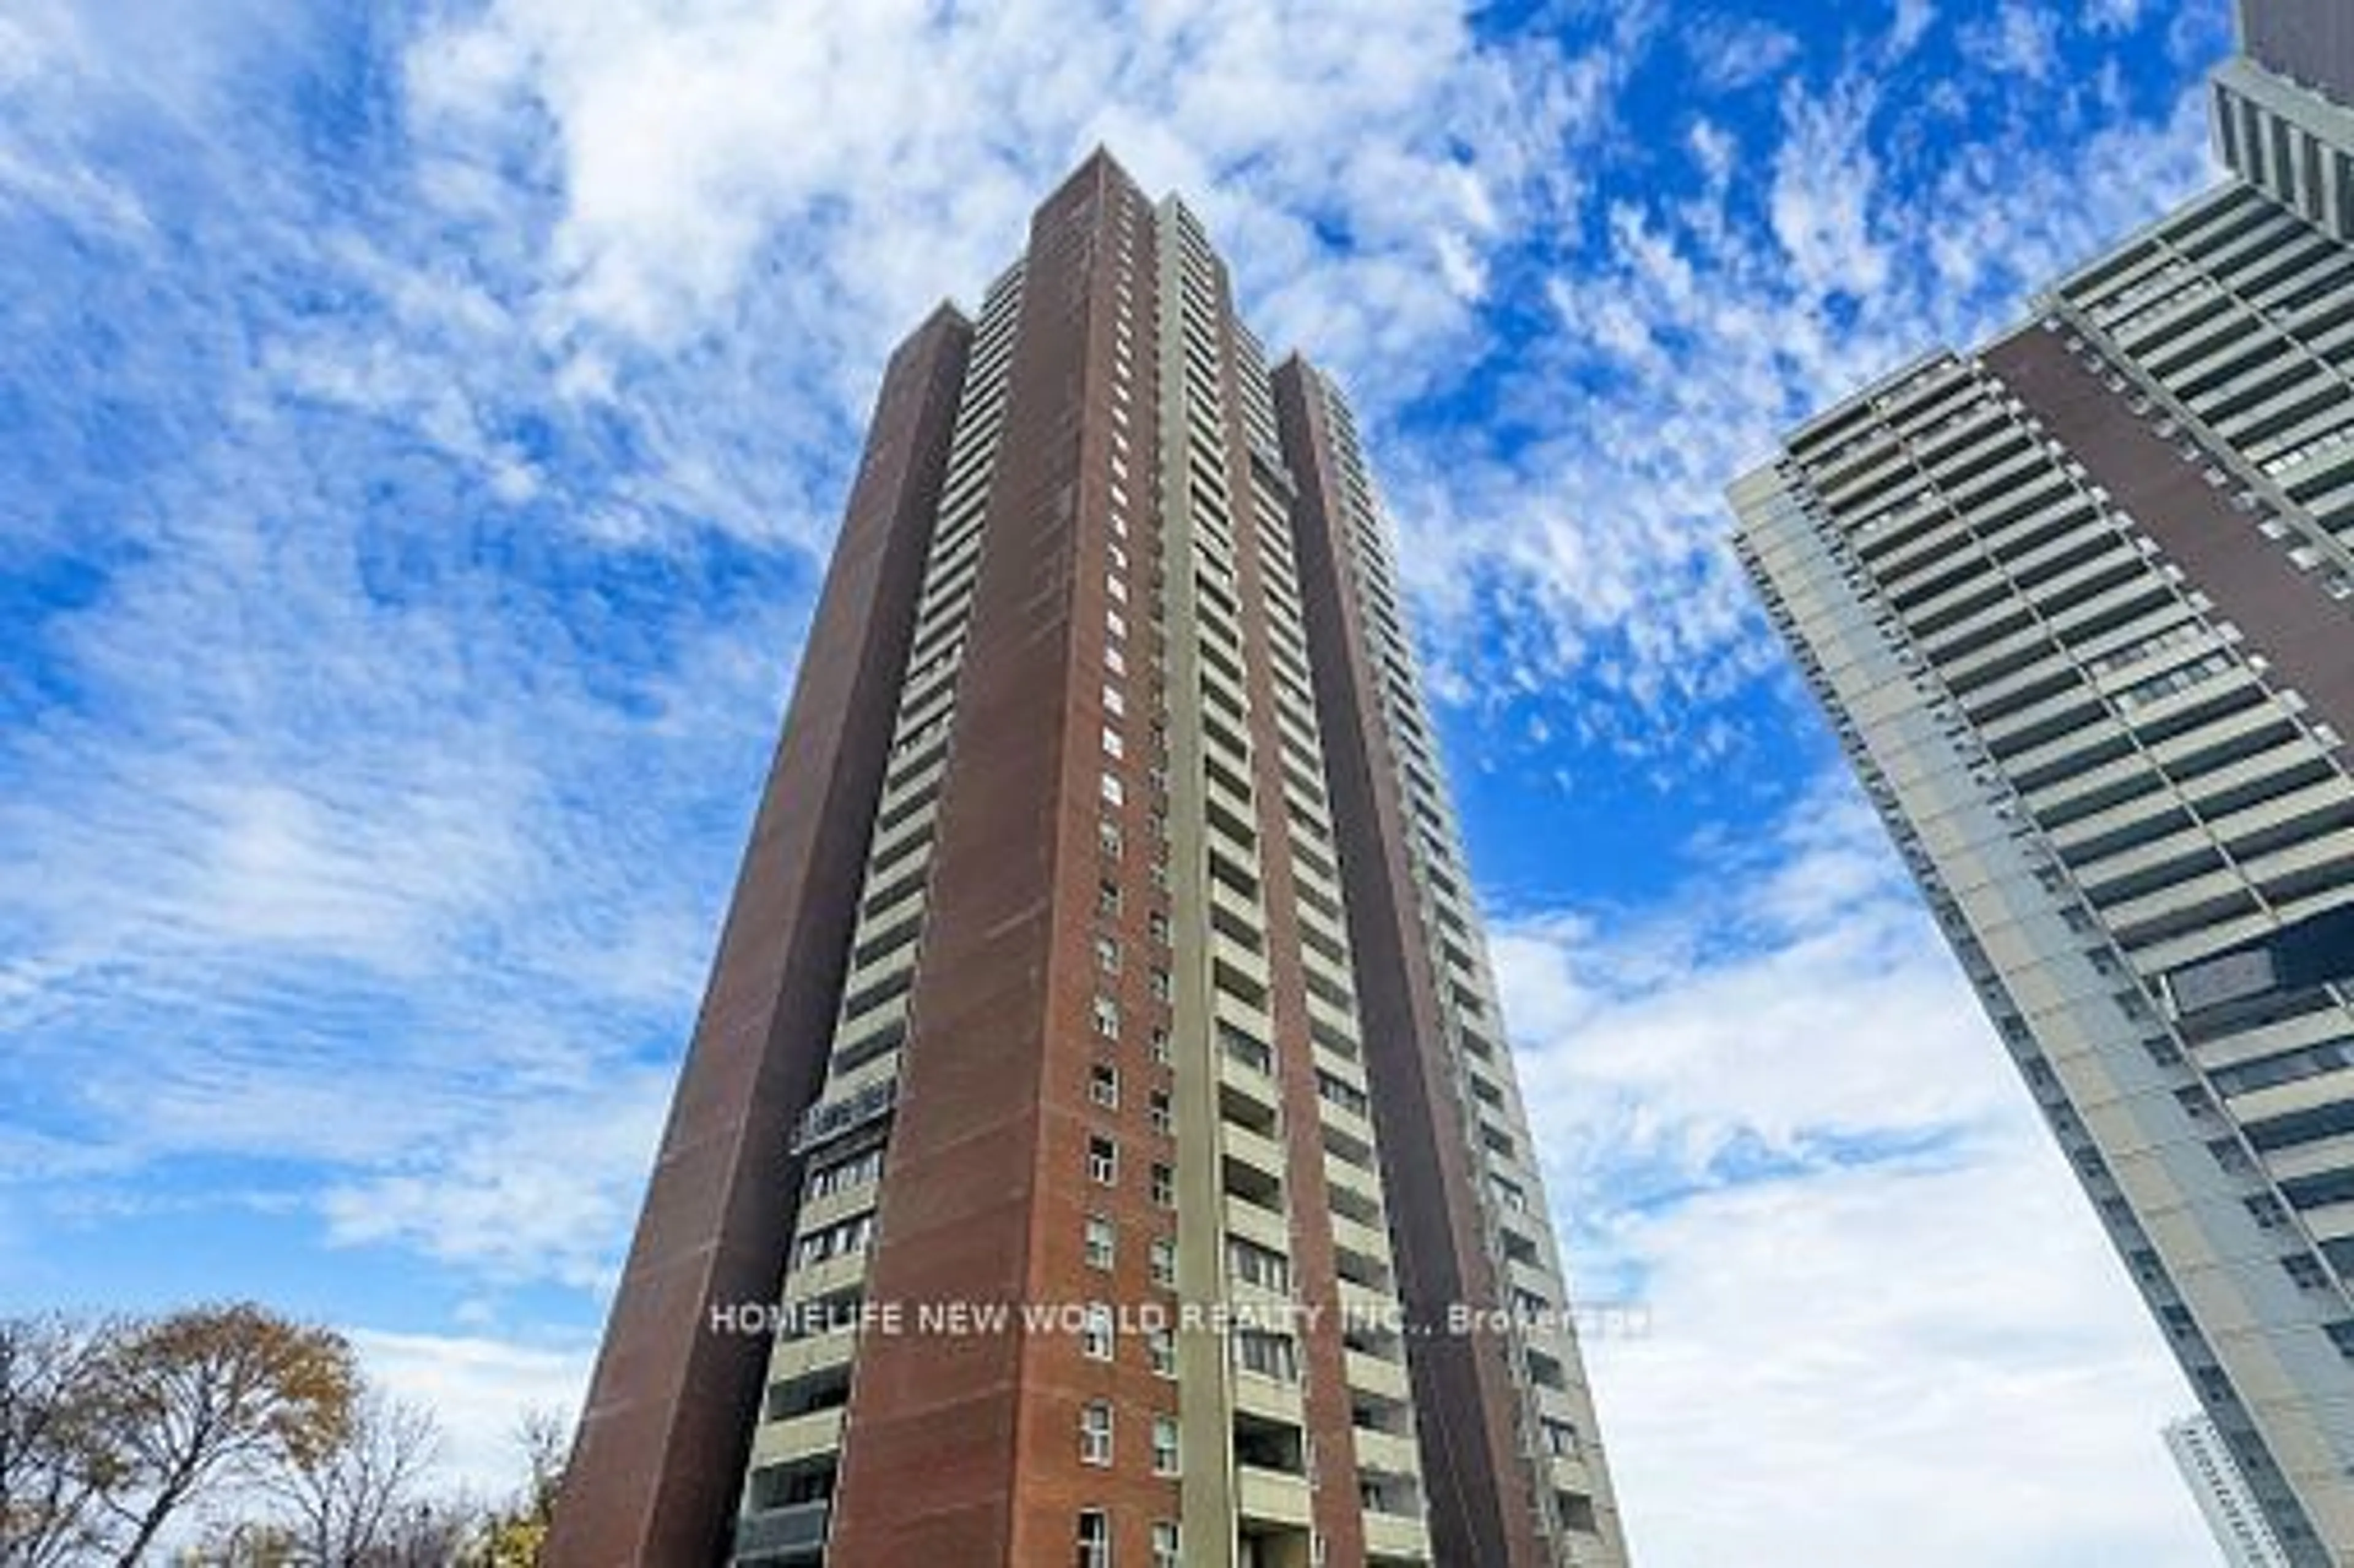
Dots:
pixel 1774 1113
pixel 548 1190
pixel 1731 53
pixel 2021 39
pixel 692 145
pixel 1913 22
pixel 479 1389
pixel 1939 1357
pixel 2112 15
pixel 1826 184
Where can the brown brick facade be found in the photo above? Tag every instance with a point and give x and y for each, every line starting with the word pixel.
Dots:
pixel 658 1462
pixel 1481 1509
pixel 965 1450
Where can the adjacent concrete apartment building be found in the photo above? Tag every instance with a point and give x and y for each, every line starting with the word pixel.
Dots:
pixel 1104 947
pixel 2080 605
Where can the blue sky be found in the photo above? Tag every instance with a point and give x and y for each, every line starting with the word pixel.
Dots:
pixel 423 427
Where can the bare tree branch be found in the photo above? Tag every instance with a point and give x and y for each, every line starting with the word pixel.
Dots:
pixel 356 1503
pixel 55 1453
pixel 215 1396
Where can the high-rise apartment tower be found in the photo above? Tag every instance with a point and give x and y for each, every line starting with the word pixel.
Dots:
pixel 1104 954
pixel 2081 606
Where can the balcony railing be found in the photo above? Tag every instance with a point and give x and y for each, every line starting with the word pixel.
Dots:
pixel 830 1119
pixel 794 1533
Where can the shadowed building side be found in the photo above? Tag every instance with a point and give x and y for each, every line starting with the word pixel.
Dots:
pixel 1511 1454
pixel 658 1460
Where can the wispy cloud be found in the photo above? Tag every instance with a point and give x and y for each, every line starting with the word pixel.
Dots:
pixel 1755 276
pixel 2112 15
pixel 2018 40
pixel 1733 52
pixel 1914 19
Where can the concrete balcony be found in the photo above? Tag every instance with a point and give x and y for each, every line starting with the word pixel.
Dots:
pixel 1361 1183
pixel 2068 624
pixel 1254 1224
pixel 1227 1008
pixel 1396 1538
pixel 1357 1237
pixel 1534 1278
pixel 1320 1010
pixel 792 1534
pixel 1365 1305
pixel 1385 1453
pixel 799 1358
pixel 835 1207
pixel 2173 899
pixel 2314 801
pixel 825 1278
pixel 1262 1154
pixel 1231 954
pixel 1271 1497
pixel 1237 905
pixel 1373 1375
pixel 1340 1118
pixel 796 1438
pixel 1268 1398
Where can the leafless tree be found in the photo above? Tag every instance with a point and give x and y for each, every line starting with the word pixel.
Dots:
pixel 57 1457
pixel 360 1502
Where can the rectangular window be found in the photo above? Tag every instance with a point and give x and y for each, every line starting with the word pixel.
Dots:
pixel 1106 1018
pixel 1103 1160
pixel 1164 1186
pixel 1114 746
pixel 1164 1262
pixel 1160 1345
pixel 1096 1340
pixel 1164 1446
pixel 1157 1110
pixel 1102 1243
pixel 1103 1085
pixel 1115 660
pixel 1269 1355
pixel 1114 701
pixel 1255 1265
pixel 1114 793
pixel 1095 1438
pixel 1116 588
pixel 1166 1545
pixel 1162 990
pixel 1107 954
pixel 1095 1539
